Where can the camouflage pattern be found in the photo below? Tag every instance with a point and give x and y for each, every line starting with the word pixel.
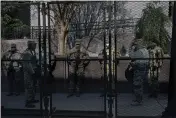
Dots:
pixel 155 67
pixel 76 68
pixel 13 69
pixel 140 68
pixel 29 71
pixel 101 55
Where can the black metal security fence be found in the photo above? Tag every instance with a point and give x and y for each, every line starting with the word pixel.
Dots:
pixel 109 36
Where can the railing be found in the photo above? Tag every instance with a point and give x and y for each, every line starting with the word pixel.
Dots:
pixel 32 32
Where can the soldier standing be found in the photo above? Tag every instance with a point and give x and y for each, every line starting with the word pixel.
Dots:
pixel 154 69
pixel 13 68
pixel 29 74
pixel 107 66
pixel 77 68
pixel 140 67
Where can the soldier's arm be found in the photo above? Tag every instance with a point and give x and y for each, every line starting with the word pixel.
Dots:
pixel 86 56
pixel 100 56
pixel 20 59
pixel 161 55
pixel 117 56
pixel 4 63
pixel 27 65
pixel 68 57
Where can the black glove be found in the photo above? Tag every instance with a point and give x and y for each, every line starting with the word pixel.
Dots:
pixel 154 68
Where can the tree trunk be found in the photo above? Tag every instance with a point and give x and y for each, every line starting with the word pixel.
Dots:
pixel 62 32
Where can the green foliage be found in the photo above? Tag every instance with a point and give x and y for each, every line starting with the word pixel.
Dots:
pixel 9 21
pixel 151 26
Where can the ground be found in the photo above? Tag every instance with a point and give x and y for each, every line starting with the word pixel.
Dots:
pixel 92 102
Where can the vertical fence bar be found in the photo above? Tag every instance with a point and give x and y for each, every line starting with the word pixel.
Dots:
pixel 172 82
pixel 115 41
pixel 49 46
pixel 45 58
pixel 110 64
pixel 39 44
pixel 169 111
pixel 105 59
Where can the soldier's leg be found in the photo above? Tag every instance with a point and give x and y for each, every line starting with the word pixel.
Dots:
pixel 28 91
pixel 33 92
pixel 71 84
pixel 80 76
pixel 113 84
pixel 17 86
pixel 154 86
pixel 138 88
pixel 105 87
pixel 10 79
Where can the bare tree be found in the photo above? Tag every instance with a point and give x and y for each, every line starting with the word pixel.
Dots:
pixel 63 14
pixel 79 15
pixel 90 19
pixel 87 21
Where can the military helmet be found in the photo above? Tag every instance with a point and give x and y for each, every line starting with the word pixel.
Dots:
pixel 138 41
pixel 152 44
pixel 31 42
pixel 13 45
pixel 77 41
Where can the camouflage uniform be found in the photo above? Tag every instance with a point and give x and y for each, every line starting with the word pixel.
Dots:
pixel 14 73
pixel 140 68
pixel 77 68
pixel 101 55
pixel 154 70
pixel 29 72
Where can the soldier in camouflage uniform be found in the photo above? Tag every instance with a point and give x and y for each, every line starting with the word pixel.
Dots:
pixel 13 69
pixel 29 74
pixel 77 68
pixel 101 55
pixel 140 68
pixel 155 67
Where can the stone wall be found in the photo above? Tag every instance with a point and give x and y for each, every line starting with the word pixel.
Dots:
pixel 93 70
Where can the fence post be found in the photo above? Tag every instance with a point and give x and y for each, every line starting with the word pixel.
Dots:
pixel 171 106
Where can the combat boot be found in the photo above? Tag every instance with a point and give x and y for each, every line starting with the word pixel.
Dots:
pixel 29 105
pixel 70 94
pixel 77 94
pixel 102 95
pixel 136 103
pixel 153 95
pixel 17 94
pixel 34 101
pixel 10 94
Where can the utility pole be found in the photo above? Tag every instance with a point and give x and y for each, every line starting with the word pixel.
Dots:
pixel 171 106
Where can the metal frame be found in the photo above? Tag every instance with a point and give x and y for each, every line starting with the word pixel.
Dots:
pixel 44 94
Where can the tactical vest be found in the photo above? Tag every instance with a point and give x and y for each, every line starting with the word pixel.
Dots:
pixel 13 65
pixel 77 64
pixel 155 64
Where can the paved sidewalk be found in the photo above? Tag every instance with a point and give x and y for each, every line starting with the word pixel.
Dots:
pixel 92 102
